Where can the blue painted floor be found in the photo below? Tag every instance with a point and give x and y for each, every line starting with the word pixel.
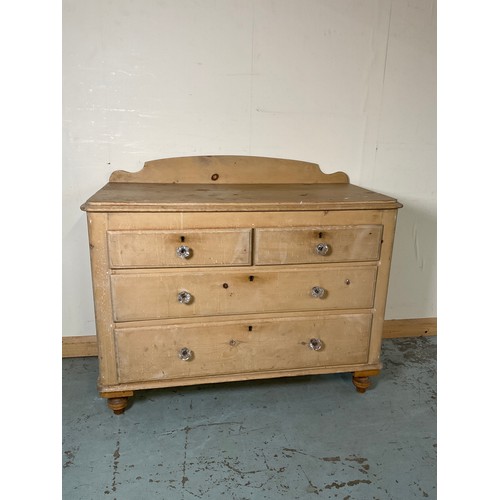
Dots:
pixel 297 438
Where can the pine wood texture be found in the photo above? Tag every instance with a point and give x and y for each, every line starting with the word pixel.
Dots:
pixel 97 228
pixel 232 183
pixel 382 284
pixel 118 405
pixel 86 345
pixel 118 400
pixel 361 379
pixel 299 245
pixel 284 271
pixel 209 220
pixel 79 347
pixel 149 197
pixel 235 291
pixel 417 327
pixel 213 247
pixel 241 346
pixel 240 376
pixel 228 170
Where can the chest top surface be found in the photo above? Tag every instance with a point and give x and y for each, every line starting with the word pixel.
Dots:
pixel 232 183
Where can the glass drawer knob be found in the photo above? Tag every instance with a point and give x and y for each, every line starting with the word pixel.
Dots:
pixel 315 344
pixel 184 297
pixel 184 252
pixel 317 292
pixel 322 248
pixel 185 354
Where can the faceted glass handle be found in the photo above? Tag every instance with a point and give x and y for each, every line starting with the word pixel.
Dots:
pixel 185 354
pixel 183 252
pixel 317 292
pixel 315 344
pixel 184 297
pixel 322 248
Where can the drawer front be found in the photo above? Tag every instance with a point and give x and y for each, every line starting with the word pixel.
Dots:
pixel 152 353
pixel 318 244
pixel 202 247
pixel 156 295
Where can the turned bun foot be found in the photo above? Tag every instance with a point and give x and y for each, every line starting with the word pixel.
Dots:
pixel 117 401
pixel 118 405
pixel 361 383
pixel 361 380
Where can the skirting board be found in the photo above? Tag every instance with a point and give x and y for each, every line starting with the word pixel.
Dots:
pixel 78 347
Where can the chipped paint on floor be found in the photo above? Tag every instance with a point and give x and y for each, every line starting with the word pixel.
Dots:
pixel 295 438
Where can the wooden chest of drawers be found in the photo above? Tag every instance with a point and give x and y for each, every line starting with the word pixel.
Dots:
pixel 225 268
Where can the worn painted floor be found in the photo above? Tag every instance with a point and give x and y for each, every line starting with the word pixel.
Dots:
pixel 297 438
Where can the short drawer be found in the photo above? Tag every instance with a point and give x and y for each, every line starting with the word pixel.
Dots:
pixel 243 346
pixel 169 294
pixel 318 244
pixel 191 248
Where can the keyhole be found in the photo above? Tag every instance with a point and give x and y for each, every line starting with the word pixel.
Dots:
pixel 182 239
pixel 320 235
pixel 250 328
pixel 251 278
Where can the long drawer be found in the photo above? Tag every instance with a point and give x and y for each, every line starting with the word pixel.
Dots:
pixel 249 345
pixel 190 248
pixel 168 294
pixel 317 244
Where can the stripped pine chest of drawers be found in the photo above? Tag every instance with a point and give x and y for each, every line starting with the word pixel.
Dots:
pixel 224 268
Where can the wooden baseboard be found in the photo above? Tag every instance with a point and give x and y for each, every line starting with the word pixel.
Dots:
pixel 418 327
pixel 78 347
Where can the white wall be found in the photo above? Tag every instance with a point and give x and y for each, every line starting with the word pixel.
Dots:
pixel 348 84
